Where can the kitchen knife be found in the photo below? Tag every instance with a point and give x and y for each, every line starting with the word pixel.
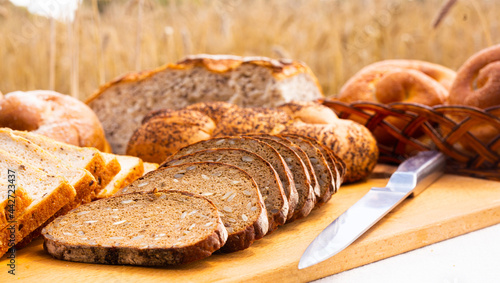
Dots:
pixel 411 178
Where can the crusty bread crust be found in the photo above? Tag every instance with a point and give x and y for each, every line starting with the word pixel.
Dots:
pixel 248 82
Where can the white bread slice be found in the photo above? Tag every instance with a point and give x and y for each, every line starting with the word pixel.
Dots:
pixel 88 158
pixel 14 199
pixel 131 168
pixel 82 181
pixel 149 166
pixel 49 193
pixel 112 166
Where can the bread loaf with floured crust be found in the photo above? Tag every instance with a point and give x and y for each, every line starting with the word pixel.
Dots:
pixel 245 81
pixel 350 141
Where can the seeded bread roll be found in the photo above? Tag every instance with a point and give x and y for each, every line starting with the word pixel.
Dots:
pixel 153 229
pixel 261 171
pixel 245 81
pixel 301 177
pixel 263 150
pixel 350 141
pixel 231 189
pixel 324 175
pixel 154 141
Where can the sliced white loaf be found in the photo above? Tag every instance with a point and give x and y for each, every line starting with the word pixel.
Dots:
pixel 49 193
pixel 131 168
pixel 231 189
pixel 154 229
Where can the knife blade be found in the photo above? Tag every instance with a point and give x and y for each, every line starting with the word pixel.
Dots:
pixel 411 177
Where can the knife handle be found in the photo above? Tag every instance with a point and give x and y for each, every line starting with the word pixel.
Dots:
pixel 430 166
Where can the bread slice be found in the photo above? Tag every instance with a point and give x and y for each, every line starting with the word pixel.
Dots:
pixel 81 180
pixel 231 189
pixel 153 229
pixel 49 193
pixel 305 158
pixel 301 177
pixel 112 167
pixel 263 150
pixel 14 200
pixel 149 166
pixel 131 169
pixel 83 157
pixel 337 166
pixel 261 171
pixel 245 81
pixel 324 175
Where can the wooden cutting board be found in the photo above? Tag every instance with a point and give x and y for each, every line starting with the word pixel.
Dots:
pixel 452 206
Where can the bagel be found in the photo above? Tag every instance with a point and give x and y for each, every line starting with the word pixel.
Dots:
pixel 478 85
pixel 60 117
pixel 478 80
pixel 399 81
pixel 390 81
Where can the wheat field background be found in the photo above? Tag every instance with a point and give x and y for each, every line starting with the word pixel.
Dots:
pixel 335 38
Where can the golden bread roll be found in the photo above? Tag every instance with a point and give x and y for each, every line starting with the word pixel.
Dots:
pixel 57 116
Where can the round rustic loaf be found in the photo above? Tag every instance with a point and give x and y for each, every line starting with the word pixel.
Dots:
pixel 57 116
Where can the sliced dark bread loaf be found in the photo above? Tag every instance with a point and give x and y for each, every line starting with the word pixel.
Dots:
pixel 261 171
pixel 154 229
pixel 231 189
pixel 324 175
pixel 301 177
pixel 262 149
pixel 337 166
pixel 49 193
pixel 305 158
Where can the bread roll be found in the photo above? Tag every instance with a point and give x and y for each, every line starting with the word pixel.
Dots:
pixel 158 137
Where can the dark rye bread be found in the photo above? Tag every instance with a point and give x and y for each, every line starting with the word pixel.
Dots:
pixel 337 166
pixel 153 229
pixel 231 189
pixel 324 175
pixel 262 149
pixel 301 177
pixel 305 158
pixel 261 171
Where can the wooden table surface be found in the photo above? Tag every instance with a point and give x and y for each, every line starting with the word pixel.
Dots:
pixel 452 206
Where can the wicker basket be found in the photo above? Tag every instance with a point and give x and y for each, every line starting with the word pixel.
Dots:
pixel 453 130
